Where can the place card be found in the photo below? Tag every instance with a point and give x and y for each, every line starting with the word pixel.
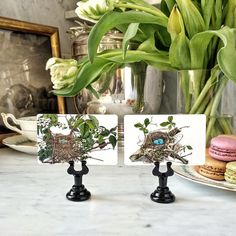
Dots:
pixel 180 139
pixel 72 137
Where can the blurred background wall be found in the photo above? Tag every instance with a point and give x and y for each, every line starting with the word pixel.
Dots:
pixel 46 12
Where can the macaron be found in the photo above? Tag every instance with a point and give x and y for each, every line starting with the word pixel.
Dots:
pixel 223 147
pixel 230 174
pixel 212 169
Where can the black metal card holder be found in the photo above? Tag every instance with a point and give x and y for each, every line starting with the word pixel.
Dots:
pixel 162 194
pixel 78 191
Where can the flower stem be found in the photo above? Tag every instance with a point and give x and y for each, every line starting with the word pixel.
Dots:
pixel 209 106
pixel 226 125
pixel 203 94
pixel 184 83
pixel 218 96
pixel 203 104
pixel 198 74
pixel 214 107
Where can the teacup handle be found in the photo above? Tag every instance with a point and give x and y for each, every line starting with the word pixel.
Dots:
pixel 5 121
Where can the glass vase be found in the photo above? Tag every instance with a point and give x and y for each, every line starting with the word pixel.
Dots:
pixel 207 92
pixel 133 89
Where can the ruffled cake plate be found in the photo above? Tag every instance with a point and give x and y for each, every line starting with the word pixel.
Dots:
pixel 190 173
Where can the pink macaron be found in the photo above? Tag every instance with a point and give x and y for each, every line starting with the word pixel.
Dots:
pixel 223 147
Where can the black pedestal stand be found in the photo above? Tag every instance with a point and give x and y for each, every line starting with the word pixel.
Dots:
pixel 162 194
pixel 78 192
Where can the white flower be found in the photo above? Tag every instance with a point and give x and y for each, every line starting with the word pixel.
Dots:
pixel 93 10
pixel 63 72
pixel 50 62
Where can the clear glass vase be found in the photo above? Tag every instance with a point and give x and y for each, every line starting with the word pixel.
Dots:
pixel 133 89
pixel 208 92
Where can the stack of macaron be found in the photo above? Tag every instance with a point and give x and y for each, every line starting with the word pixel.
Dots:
pixel 220 161
pixel 212 169
pixel 230 174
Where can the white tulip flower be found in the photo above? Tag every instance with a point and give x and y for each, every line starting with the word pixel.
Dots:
pixel 63 72
pixel 93 10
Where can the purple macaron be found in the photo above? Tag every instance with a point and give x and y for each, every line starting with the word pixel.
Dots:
pixel 223 147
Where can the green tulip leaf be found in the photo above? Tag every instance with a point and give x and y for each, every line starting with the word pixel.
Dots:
pixel 162 37
pixel 160 34
pixel 169 3
pixel 161 61
pixel 129 34
pixel 105 61
pixel 207 7
pixel 198 46
pixel 230 14
pixel 149 46
pixel 179 49
pixel 111 19
pixel 142 3
pixel 218 14
pixel 179 52
pixel 193 20
pixel 93 91
pixel 105 80
pixel 226 56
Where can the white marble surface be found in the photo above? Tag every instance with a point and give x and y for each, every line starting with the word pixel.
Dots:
pixel 33 202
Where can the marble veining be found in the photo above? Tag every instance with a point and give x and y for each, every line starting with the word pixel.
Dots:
pixel 33 202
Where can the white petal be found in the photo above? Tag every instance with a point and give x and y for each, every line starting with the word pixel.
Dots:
pixel 71 71
pixel 50 62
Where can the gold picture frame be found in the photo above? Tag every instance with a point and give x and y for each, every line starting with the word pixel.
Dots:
pixel 37 29
pixel 25 47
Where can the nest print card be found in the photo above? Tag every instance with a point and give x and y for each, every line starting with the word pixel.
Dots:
pixel 63 138
pixel 176 138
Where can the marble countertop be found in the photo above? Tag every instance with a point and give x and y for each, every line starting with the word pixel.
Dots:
pixel 33 202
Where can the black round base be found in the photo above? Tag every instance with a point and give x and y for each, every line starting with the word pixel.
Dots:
pixel 78 194
pixel 162 195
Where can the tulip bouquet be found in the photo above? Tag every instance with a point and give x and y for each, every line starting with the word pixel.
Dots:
pixel 181 35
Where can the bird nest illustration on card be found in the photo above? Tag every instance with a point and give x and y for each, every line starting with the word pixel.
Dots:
pixel 72 137
pixel 163 144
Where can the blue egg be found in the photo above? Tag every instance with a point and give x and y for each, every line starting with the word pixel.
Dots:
pixel 159 141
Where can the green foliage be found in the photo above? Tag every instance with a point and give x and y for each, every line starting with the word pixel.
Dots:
pixel 111 19
pixel 143 127
pixel 183 35
pixel 85 129
pixel 189 147
pixel 113 140
pixel 45 122
pixel 193 20
pixel 169 123
pixel 45 153
pixel 92 134
pixel 106 61
pixel 130 33
pixel 167 6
